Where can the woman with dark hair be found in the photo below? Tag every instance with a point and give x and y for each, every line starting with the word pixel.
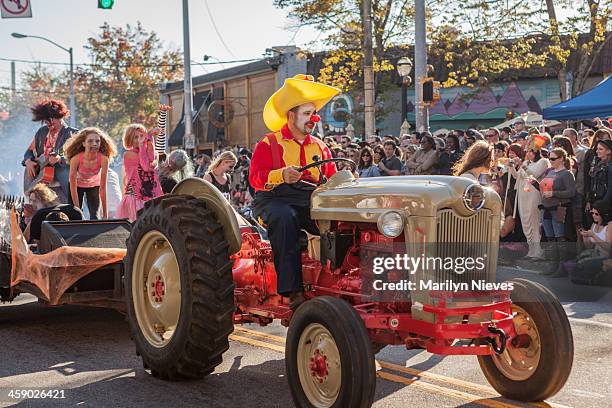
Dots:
pixel 379 153
pixel 47 147
pixel 591 161
pixel 599 236
pixel 341 154
pixel 366 167
pixel 601 175
pixel 528 175
pixel 566 144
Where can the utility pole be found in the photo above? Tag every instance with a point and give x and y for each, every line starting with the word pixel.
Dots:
pixel 368 71
pixel 73 112
pixel 189 138
pixel 13 79
pixel 420 65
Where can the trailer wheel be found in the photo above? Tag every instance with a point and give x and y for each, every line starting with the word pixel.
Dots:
pixel 536 363
pixel 179 288
pixel 328 356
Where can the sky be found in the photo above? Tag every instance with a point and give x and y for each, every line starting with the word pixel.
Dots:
pixel 247 27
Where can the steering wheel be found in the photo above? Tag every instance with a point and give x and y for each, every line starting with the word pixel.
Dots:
pixel 308 186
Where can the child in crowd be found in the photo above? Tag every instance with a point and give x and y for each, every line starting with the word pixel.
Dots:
pixel 89 153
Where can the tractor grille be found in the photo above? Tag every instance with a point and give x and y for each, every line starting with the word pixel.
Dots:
pixel 465 237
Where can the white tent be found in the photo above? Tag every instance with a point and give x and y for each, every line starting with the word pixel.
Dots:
pixel 532 119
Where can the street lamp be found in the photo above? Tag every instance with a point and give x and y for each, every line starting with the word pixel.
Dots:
pixel 69 51
pixel 404 67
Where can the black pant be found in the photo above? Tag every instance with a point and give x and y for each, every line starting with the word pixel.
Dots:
pixel 285 211
pixel 93 200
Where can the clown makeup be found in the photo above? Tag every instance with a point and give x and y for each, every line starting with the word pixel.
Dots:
pixel 300 118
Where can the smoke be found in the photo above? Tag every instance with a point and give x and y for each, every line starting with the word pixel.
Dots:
pixel 16 133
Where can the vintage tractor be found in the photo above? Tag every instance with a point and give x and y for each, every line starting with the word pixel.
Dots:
pixel 194 268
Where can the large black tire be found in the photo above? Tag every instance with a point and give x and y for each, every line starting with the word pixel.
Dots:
pixel 206 287
pixel 357 373
pixel 556 350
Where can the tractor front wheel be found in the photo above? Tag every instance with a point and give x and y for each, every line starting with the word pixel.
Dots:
pixel 328 357
pixel 179 288
pixel 537 362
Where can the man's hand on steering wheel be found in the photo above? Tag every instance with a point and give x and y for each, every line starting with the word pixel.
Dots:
pixel 291 174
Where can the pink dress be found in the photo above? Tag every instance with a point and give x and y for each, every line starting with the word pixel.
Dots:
pixel 142 184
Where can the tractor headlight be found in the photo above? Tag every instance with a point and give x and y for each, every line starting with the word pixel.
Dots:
pixel 474 197
pixel 391 224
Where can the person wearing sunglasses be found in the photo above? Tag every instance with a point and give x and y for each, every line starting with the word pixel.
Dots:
pixel 558 188
pixel 600 175
pixel 599 237
pixel 492 136
pixel 366 167
pixel 378 154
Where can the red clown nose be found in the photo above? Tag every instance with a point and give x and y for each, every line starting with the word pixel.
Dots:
pixel 315 118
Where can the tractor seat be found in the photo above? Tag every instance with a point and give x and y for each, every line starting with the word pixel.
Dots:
pixel 71 211
pixel 84 233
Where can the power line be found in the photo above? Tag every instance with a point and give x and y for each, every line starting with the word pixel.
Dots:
pixel 24 90
pixel 212 20
pixel 177 65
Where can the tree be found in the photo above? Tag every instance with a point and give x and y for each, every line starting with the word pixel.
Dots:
pixel 569 44
pixel 473 41
pixel 458 35
pixel 122 84
pixel 341 23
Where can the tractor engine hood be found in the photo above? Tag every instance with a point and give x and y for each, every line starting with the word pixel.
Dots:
pixel 345 198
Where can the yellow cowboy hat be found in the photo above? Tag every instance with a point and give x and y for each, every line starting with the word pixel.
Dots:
pixel 295 91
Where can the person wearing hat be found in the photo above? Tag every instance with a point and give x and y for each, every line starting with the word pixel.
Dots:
pixel 520 138
pixel 280 204
pixel 424 159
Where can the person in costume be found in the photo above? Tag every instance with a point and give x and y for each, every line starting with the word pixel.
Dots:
pixel 47 147
pixel 140 163
pixel 175 169
pixel 280 203
pixel 89 153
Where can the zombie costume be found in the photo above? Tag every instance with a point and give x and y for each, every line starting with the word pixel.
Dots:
pixel 142 183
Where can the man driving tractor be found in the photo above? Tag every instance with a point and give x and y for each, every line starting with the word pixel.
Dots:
pixel 282 197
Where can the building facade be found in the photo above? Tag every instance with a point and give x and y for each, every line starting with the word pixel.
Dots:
pixel 228 104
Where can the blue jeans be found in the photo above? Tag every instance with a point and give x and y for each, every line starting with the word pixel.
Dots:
pixel 552 228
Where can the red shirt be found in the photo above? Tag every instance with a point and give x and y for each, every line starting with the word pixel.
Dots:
pixel 264 175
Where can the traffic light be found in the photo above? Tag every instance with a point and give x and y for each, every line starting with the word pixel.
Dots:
pixel 428 90
pixel 431 91
pixel 106 4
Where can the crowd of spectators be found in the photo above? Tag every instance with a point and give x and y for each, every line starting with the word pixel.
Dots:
pixel 554 185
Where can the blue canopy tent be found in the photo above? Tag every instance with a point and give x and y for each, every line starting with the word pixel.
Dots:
pixel 596 103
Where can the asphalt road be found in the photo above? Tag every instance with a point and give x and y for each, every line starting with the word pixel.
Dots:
pixel 87 352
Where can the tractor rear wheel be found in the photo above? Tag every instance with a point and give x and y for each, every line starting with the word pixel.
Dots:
pixel 179 288
pixel 328 356
pixel 536 363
